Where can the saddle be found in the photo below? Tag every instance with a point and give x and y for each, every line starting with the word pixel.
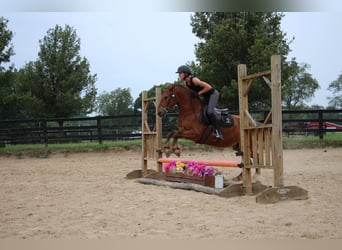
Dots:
pixel 225 118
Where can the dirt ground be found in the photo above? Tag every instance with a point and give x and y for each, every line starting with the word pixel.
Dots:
pixel 86 196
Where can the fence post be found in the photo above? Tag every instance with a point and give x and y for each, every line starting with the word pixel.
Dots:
pixel 99 129
pixel 46 138
pixel 320 124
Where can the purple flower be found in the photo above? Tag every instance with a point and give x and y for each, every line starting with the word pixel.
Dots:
pixel 209 171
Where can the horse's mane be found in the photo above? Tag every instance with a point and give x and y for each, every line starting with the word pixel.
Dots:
pixel 193 95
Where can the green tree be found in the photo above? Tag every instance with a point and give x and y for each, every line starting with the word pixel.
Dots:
pixel 229 39
pixel 6 48
pixel 298 85
pixel 58 83
pixel 8 101
pixel 117 102
pixel 336 88
pixel 150 93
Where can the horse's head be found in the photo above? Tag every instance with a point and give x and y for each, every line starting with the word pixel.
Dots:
pixel 168 100
pixel 184 97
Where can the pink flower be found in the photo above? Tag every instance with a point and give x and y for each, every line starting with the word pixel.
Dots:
pixel 169 167
pixel 190 168
pixel 209 171
pixel 166 167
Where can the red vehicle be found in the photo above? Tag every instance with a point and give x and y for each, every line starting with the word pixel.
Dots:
pixel 326 125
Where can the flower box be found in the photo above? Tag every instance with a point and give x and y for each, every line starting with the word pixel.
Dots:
pixel 207 180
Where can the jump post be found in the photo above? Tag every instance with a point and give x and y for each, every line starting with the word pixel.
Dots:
pixel 151 138
pixel 264 140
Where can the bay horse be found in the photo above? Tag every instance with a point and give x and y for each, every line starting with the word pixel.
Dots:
pixel 191 125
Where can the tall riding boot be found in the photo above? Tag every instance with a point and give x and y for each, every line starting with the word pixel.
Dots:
pixel 217 134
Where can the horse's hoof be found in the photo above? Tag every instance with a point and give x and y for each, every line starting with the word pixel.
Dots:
pixel 178 153
pixel 168 153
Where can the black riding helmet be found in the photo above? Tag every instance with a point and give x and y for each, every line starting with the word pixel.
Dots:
pixel 185 69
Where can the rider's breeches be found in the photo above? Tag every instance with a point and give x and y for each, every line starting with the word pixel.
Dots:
pixel 212 102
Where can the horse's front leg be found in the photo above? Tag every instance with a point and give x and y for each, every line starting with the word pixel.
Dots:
pixel 175 147
pixel 166 146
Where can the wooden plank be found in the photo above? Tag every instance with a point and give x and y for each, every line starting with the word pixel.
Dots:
pixel 254 147
pixel 151 140
pixel 150 99
pixel 256 75
pixel 268 117
pixel 267 136
pixel 268 82
pixel 144 147
pixel 159 132
pixel 276 194
pixel 277 144
pixel 259 126
pixel 261 146
pixel 263 166
pixel 250 118
pixel 248 87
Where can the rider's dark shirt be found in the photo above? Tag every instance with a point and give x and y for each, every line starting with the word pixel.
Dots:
pixel 199 88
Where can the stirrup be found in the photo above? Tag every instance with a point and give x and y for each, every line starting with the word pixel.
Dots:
pixel 218 135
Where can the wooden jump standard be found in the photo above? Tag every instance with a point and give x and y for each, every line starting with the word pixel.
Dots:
pixel 262 142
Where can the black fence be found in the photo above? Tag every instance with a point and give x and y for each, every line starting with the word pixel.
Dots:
pixel 128 127
pixel 316 122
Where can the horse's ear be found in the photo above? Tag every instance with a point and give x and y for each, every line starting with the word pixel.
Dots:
pixel 168 86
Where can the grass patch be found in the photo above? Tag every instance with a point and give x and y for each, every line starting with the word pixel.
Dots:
pixel 41 151
pixel 331 139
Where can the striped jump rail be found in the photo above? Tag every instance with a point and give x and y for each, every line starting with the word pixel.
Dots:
pixel 211 163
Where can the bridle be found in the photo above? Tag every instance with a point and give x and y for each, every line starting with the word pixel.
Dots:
pixel 165 109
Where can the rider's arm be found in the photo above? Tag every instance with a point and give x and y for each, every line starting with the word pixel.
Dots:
pixel 206 86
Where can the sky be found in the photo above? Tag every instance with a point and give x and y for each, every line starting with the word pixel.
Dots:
pixel 140 48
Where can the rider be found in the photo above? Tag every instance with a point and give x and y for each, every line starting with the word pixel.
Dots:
pixel 204 89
